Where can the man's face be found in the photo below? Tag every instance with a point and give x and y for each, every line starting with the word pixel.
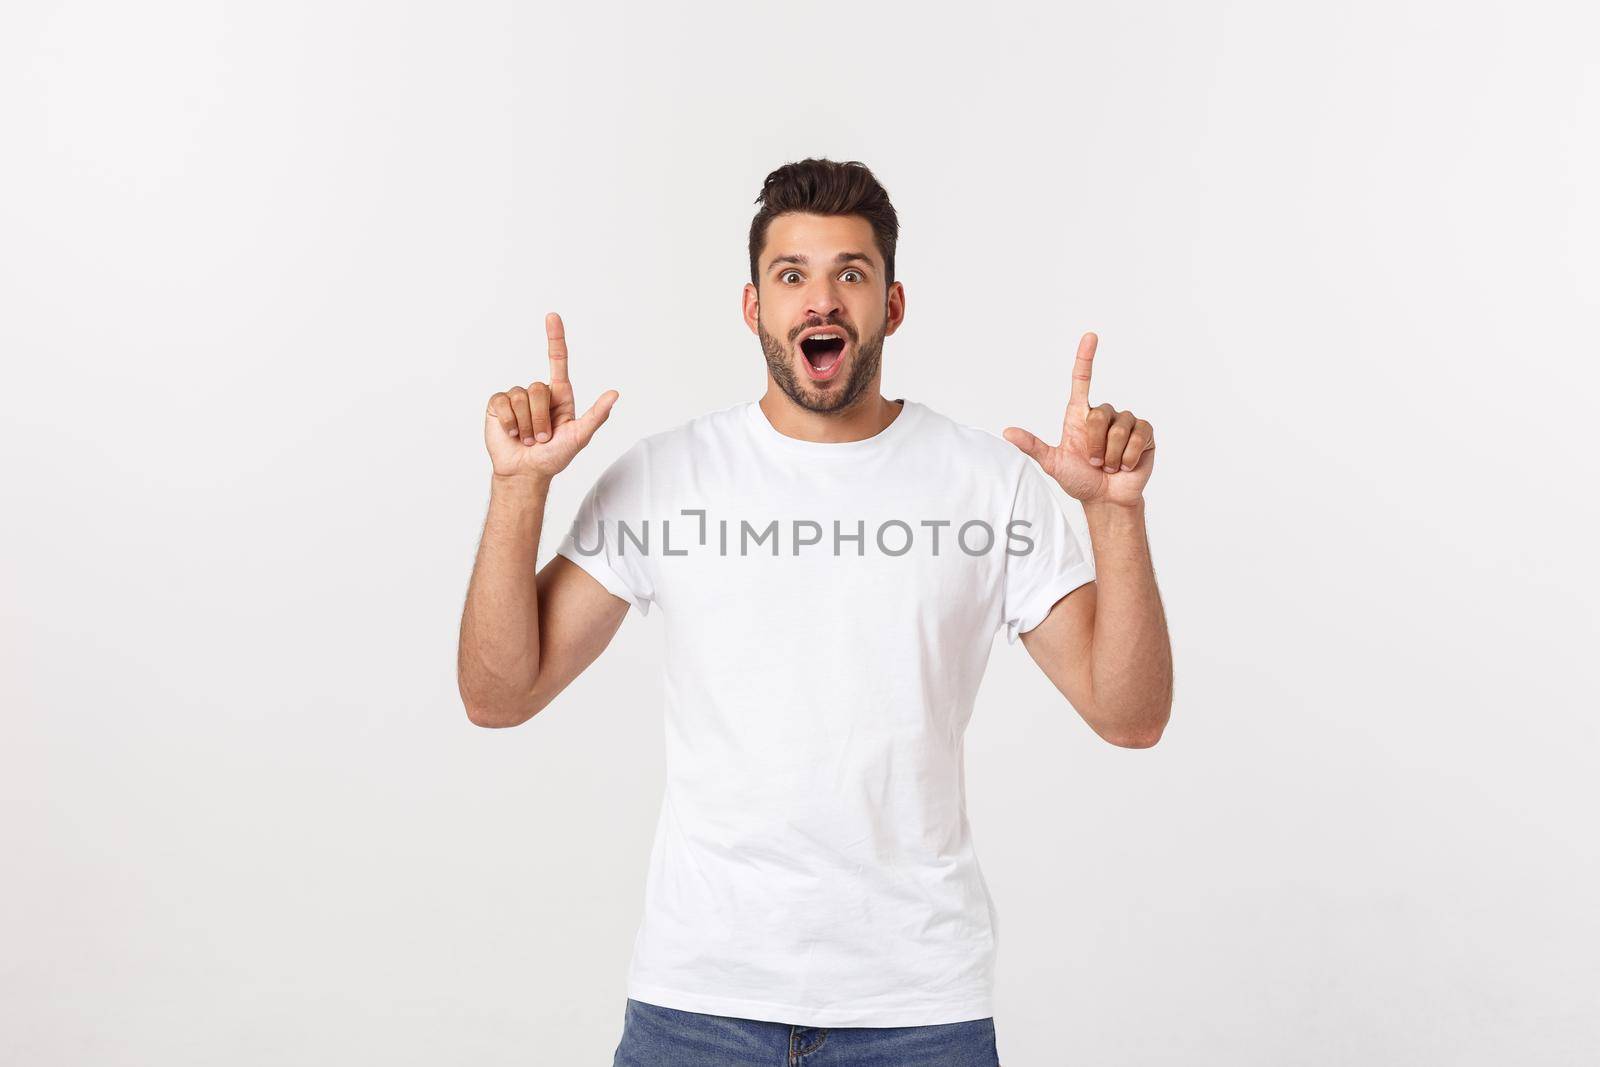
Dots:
pixel 822 277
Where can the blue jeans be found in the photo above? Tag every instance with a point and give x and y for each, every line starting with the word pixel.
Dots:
pixel 653 1036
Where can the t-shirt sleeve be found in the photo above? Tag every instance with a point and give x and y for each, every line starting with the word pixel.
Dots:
pixel 1044 558
pixel 598 539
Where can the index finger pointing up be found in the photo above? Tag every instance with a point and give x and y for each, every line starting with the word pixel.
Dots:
pixel 556 334
pixel 1081 368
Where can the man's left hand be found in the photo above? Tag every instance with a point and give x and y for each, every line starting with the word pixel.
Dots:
pixel 1105 455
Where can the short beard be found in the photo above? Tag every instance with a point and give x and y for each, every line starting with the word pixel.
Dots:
pixel 781 364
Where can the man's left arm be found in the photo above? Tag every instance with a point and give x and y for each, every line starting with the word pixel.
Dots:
pixel 1105 645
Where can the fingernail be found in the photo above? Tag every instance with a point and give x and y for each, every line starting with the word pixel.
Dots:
pixel 1110 469
pixel 542 436
pixel 527 440
pixel 1095 460
pixel 1126 467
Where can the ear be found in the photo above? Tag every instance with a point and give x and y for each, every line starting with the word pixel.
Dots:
pixel 896 308
pixel 752 307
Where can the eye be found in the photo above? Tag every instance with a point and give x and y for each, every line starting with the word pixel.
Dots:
pixel 784 277
pixel 858 274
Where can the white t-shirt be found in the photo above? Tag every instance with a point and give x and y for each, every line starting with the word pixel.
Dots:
pixel 830 609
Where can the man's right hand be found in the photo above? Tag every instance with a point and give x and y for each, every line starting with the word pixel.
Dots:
pixel 535 431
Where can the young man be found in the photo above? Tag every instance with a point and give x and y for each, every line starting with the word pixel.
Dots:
pixel 832 566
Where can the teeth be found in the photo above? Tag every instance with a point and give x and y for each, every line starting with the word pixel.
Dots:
pixel 824 337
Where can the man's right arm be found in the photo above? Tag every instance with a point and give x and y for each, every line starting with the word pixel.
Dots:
pixel 525 637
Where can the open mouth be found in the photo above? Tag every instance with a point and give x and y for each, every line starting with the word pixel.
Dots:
pixel 823 352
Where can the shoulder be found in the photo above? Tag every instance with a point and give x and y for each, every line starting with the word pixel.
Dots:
pixel 711 426
pixel 679 443
pixel 971 445
pixel 693 435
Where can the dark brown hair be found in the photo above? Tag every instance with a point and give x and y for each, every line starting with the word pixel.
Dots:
pixel 824 187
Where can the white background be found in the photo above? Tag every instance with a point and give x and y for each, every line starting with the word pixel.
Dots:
pixel 262 265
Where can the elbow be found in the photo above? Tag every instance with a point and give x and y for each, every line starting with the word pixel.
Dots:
pixel 492 719
pixel 1136 740
pixel 1140 731
pixel 501 714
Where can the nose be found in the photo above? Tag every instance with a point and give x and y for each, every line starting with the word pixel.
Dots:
pixel 822 300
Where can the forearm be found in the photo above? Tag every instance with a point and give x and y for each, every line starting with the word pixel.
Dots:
pixel 497 662
pixel 1131 654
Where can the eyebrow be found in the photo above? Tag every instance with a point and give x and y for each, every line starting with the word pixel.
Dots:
pixel 842 257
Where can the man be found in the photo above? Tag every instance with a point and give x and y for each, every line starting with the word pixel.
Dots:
pixel 833 567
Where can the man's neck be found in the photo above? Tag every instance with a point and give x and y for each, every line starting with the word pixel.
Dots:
pixel 867 417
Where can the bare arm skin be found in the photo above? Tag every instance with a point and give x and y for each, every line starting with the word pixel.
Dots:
pixel 526 636
pixel 1105 645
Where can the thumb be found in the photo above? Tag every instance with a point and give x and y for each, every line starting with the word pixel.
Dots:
pixel 1029 444
pixel 598 412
